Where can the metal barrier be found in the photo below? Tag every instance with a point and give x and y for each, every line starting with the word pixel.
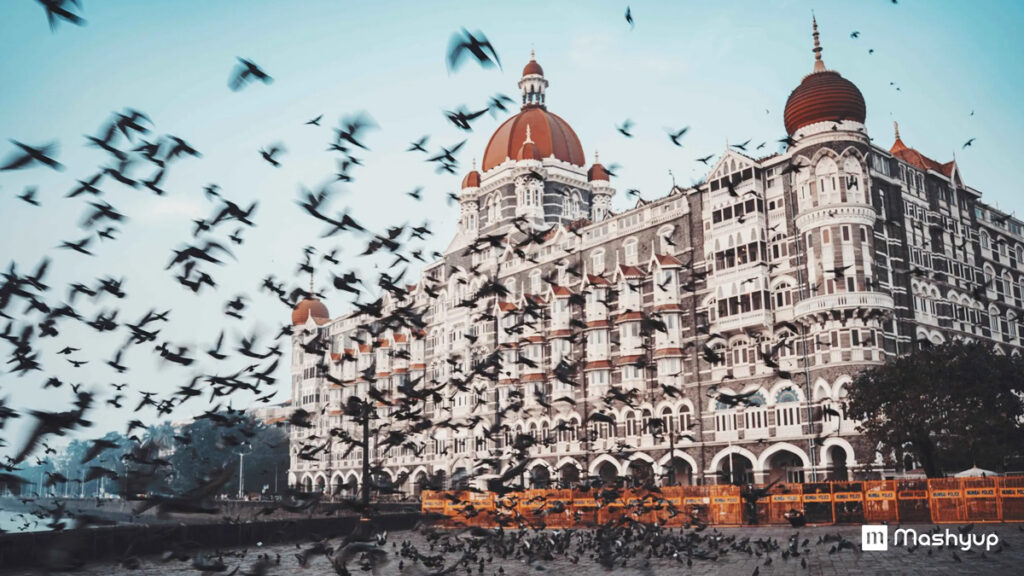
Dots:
pixel 937 500
pixel 880 502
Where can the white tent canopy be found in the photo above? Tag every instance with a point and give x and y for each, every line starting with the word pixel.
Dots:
pixel 974 472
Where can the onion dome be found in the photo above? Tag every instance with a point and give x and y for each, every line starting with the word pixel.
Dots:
pixel 823 96
pixel 472 180
pixel 597 171
pixel 310 307
pixel 551 136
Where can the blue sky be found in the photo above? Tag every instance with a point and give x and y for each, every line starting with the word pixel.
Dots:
pixel 723 68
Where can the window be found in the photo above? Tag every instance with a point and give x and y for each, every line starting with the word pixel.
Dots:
pixel 629 248
pixel 597 261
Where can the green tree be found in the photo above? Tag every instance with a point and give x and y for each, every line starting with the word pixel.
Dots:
pixel 951 406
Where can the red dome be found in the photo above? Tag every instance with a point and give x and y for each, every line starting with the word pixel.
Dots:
pixel 823 97
pixel 472 180
pixel 597 172
pixel 532 67
pixel 551 136
pixel 307 307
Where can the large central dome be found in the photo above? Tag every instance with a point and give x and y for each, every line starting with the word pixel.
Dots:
pixel 823 96
pixel 551 135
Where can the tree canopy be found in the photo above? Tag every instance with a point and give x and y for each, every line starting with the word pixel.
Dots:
pixel 950 406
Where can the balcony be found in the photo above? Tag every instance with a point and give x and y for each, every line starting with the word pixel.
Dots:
pixel 737 322
pixel 843 306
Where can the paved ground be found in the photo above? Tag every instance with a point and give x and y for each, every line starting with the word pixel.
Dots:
pixel 1006 558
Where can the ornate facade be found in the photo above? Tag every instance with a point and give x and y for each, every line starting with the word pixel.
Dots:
pixel 781 276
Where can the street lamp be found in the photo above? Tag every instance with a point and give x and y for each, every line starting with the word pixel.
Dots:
pixel 241 460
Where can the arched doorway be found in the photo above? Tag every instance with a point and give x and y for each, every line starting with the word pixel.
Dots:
pixel 321 484
pixel 608 473
pixel 641 473
pixel 440 480
pixel 460 479
pixel 735 469
pixel 307 484
pixel 837 464
pixel 568 475
pixel 678 472
pixel 784 466
pixel 420 482
pixel 540 476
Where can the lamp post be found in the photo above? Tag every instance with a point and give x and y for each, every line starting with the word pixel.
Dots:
pixel 241 476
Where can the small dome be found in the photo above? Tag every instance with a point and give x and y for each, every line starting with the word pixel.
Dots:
pixel 310 307
pixel 472 180
pixel 597 171
pixel 532 67
pixel 823 96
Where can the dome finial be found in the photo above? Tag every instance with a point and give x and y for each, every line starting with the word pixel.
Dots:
pixel 532 55
pixel 310 282
pixel 819 66
pixel 528 139
pixel 896 128
pixel 473 164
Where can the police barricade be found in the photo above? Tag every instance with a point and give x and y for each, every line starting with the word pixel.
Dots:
pixel 585 506
pixel 912 503
pixel 880 502
pixel 557 511
pixel 668 507
pixel 981 499
pixel 431 502
pixel 817 498
pixel 778 502
pixel 696 504
pixel 1011 498
pixel 946 499
pixel 726 505
pixel 642 505
pixel 848 502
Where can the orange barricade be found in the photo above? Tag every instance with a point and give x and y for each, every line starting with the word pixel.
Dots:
pixel 946 499
pixel 669 509
pixel 981 499
pixel 848 502
pixel 1011 498
pixel 584 507
pixel 912 503
pixel 726 505
pixel 781 499
pixel 432 502
pixel 880 502
pixel 696 504
pixel 817 499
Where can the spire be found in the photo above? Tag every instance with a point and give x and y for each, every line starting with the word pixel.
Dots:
pixel 310 283
pixel 473 164
pixel 819 66
pixel 597 159
pixel 528 139
pixel 897 145
pixel 896 128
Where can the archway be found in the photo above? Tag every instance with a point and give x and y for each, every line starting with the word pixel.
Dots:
pixel 307 484
pixel 540 476
pixel 420 481
pixel 641 473
pixel 568 475
pixel 837 464
pixel 678 472
pixel 735 468
pixel 784 466
pixel 440 480
pixel 460 479
pixel 321 484
pixel 607 472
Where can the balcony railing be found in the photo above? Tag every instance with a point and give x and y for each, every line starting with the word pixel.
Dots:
pixel 829 304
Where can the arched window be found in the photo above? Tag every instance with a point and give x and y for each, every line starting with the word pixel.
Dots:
pixel 826 177
pixel 597 261
pixel 630 251
pixel 535 285
pixel 852 180
pixel 983 238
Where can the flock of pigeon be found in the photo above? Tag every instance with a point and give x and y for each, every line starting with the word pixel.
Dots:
pixel 139 158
